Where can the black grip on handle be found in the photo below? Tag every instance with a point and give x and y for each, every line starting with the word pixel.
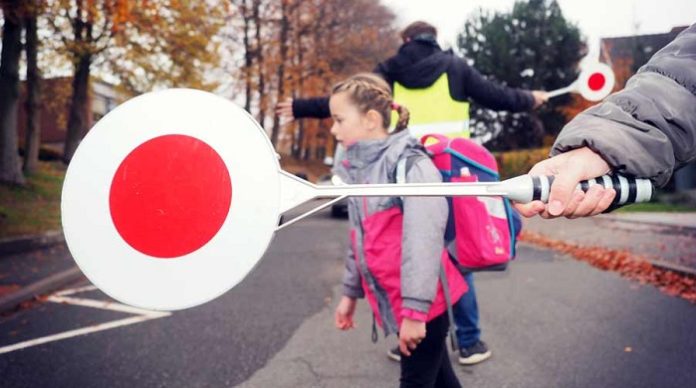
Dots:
pixel 628 189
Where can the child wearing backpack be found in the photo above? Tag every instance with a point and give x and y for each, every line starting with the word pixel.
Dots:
pixel 397 260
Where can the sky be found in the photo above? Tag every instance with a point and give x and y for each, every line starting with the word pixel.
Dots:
pixel 596 18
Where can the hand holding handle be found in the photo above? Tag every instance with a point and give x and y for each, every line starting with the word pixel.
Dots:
pixel 527 188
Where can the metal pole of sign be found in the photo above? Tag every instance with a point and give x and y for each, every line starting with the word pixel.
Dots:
pixel 561 91
pixel 522 189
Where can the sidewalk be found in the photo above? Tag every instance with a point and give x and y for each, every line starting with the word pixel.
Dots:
pixel 666 239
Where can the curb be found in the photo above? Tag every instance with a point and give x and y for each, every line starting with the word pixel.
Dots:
pixel 43 286
pixel 673 267
pixel 27 243
pixel 681 228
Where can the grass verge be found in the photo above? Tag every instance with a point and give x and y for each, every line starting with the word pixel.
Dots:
pixel 656 207
pixel 35 207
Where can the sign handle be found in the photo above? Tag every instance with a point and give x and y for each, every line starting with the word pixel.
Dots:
pixel 561 91
pixel 309 213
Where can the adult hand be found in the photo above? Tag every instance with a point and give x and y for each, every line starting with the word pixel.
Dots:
pixel 411 334
pixel 344 313
pixel 284 110
pixel 540 97
pixel 569 169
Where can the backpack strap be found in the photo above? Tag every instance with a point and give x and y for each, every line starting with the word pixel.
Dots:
pixel 374 335
pixel 404 165
pixel 450 313
pixel 401 170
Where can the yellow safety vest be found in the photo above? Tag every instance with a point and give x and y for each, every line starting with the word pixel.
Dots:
pixel 433 110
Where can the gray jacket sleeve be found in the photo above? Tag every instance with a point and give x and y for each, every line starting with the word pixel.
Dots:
pixel 352 282
pixel 649 128
pixel 425 219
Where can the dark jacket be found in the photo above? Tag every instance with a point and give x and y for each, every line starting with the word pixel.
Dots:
pixel 418 64
pixel 649 128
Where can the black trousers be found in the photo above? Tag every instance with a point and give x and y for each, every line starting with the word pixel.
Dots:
pixel 429 365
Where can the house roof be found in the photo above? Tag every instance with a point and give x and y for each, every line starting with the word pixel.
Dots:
pixel 643 46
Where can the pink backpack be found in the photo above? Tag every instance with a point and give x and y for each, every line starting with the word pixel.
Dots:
pixel 481 231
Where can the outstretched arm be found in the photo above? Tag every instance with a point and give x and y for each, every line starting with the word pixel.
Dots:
pixel 300 108
pixel 469 83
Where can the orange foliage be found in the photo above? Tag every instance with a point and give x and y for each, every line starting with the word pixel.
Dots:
pixel 317 43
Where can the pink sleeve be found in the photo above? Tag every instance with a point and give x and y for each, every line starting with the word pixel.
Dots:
pixel 415 315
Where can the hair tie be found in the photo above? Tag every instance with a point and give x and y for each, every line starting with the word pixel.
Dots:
pixel 395 106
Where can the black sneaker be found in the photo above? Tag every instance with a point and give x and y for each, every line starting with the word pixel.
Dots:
pixel 394 354
pixel 474 354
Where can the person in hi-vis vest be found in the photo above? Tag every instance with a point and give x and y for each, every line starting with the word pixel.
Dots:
pixel 436 86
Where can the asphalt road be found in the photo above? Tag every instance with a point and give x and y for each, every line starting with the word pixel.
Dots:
pixel 220 343
pixel 550 321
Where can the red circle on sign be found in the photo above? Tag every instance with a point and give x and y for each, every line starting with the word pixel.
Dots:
pixel 596 81
pixel 170 196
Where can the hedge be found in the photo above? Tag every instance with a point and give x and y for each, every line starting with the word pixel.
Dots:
pixel 513 163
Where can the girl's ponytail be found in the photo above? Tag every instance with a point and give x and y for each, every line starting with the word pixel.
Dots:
pixel 404 116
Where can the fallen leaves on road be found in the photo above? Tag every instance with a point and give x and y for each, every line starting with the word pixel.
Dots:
pixel 628 264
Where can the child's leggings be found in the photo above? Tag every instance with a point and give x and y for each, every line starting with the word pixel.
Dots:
pixel 429 365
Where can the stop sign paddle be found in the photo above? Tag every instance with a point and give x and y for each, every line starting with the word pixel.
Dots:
pixel 594 83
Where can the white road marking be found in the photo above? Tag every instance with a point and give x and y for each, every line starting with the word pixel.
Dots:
pixel 106 305
pixel 142 315
pixel 71 291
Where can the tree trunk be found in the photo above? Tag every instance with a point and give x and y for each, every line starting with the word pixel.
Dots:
pixel 248 57
pixel 298 137
pixel 77 119
pixel 10 169
pixel 260 64
pixel 284 26
pixel 33 129
pixel 299 145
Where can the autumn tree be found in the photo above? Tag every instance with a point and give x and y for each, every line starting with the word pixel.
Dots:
pixel 86 29
pixel 245 16
pixel 287 8
pixel 10 169
pixel 144 44
pixel 171 43
pixel 341 39
pixel 302 49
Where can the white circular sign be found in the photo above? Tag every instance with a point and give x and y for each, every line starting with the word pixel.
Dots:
pixel 171 199
pixel 596 82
